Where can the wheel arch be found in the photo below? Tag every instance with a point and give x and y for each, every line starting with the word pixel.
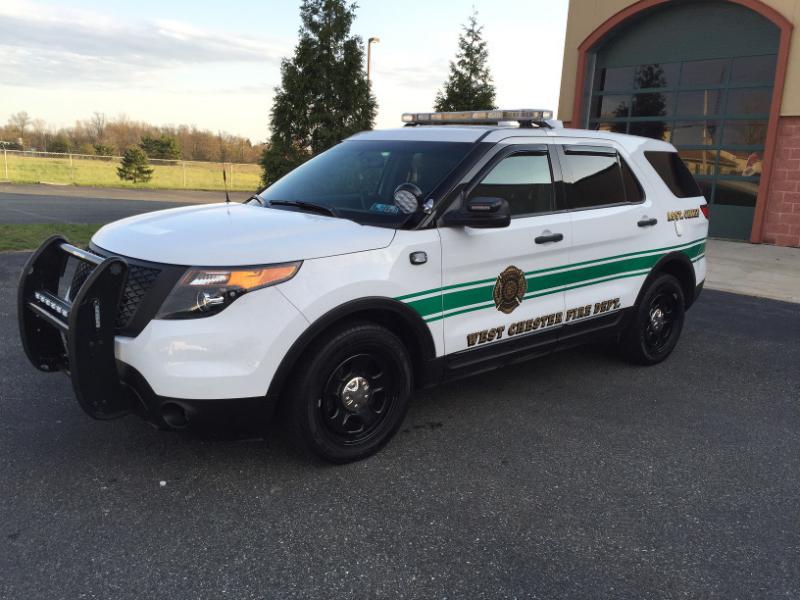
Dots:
pixel 679 266
pixel 396 316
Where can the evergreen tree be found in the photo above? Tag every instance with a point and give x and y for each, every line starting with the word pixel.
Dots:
pixel 324 94
pixel 103 150
pixel 163 147
pixel 469 86
pixel 134 166
pixel 60 144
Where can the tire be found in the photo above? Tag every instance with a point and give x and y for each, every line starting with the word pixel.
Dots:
pixel 657 322
pixel 349 394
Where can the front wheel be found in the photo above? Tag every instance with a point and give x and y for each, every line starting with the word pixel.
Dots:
pixel 657 322
pixel 350 394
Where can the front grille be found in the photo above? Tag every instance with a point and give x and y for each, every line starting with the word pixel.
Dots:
pixel 81 273
pixel 140 281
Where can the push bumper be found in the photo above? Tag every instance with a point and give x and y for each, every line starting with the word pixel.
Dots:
pixel 78 338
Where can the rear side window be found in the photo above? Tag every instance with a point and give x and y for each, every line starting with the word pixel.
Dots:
pixel 633 189
pixel 675 174
pixel 598 176
pixel 524 180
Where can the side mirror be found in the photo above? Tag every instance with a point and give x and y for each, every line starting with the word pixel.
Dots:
pixel 480 212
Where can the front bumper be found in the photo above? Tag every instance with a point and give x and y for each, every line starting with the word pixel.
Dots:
pixel 169 372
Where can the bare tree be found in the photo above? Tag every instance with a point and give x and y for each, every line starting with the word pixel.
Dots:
pixel 39 131
pixel 97 127
pixel 19 122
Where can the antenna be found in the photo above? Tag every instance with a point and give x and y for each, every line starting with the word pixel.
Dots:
pixel 225 180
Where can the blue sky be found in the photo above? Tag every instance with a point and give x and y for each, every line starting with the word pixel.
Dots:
pixel 215 64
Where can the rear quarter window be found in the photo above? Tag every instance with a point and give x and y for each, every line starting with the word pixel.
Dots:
pixel 597 176
pixel 674 173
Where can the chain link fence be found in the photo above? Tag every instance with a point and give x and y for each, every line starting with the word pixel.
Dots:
pixel 28 166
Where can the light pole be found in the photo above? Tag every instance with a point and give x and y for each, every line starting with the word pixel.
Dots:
pixel 370 41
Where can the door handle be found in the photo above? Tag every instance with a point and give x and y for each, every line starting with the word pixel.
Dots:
pixel 551 237
pixel 647 222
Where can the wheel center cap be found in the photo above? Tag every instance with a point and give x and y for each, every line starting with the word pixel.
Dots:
pixel 355 394
pixel 657 319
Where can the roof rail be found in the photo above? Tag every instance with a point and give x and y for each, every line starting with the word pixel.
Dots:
pixel 526 117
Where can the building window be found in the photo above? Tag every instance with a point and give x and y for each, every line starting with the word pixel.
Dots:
pixel 714 111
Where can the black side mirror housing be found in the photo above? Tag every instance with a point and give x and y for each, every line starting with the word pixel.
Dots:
pixel 480 212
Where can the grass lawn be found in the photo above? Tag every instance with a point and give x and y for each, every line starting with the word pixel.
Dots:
pixel 30 236
pixel 103 173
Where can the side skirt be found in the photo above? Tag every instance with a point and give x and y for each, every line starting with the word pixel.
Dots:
pixel 499 354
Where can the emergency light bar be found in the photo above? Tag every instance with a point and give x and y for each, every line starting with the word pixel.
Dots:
pixel 525 117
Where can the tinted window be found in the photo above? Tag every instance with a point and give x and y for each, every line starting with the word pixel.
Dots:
pixel 753 69
pixel 703 72
pixel 357 178
pixel 611 106
pixel 633 189
pixel 674 173
pixel 524 180
pixel 749 101
pixel 592 179
pixel 659 130
pixel 615 79
pixel 656 75
pixel 696 133
pixel 652 105
pixel 706 102
pixel 748 133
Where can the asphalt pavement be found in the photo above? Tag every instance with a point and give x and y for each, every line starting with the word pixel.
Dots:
pixel 54 204
pixel 573 476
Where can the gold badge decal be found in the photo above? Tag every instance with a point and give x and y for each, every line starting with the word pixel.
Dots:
pixel 509 290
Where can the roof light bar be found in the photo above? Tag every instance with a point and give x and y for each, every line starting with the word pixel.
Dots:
pixel 474 117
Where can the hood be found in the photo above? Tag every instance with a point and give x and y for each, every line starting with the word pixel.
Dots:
pixel 218 235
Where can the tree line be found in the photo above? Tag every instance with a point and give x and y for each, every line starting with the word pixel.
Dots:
pixel 101 136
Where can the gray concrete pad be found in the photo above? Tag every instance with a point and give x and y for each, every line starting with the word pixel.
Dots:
pixel 754 269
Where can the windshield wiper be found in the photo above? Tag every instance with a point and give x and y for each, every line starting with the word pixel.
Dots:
pixel 257 198
pixel 312 206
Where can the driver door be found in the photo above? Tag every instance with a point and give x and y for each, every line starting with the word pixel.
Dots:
pixel 499 293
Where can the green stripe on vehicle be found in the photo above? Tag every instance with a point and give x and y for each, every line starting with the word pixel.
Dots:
pixel 543 282
pixel 453 286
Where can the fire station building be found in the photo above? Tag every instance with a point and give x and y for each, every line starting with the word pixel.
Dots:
pixel 719 79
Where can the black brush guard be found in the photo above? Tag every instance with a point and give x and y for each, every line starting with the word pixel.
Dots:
pixel 78 336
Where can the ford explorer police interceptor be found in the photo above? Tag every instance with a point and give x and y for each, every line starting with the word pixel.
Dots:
pixel 396 260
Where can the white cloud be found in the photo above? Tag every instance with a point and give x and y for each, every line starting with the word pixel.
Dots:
pixel 52 46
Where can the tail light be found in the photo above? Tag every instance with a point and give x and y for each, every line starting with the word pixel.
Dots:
pixel 704 208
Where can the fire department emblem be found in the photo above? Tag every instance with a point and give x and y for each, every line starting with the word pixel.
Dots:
pixel 509 290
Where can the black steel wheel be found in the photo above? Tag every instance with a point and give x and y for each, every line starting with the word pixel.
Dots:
pixel 350 394
pixel 657 323
pixel 358 396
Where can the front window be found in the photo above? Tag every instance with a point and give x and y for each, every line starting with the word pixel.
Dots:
pixel 358 179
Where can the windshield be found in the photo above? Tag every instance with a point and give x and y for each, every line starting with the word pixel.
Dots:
pixel 358 179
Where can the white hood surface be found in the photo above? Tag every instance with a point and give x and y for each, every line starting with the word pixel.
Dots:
pixel 220 235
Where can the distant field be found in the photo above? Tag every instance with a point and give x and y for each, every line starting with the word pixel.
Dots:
pixel 103 173
pixel 30 236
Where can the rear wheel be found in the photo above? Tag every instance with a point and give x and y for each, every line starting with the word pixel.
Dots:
pixel 657 323
pixel 351 393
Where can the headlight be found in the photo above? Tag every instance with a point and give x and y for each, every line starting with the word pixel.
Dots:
pixel 205 292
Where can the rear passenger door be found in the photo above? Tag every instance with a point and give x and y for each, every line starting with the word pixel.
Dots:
pixel 612 227
pixel 495 281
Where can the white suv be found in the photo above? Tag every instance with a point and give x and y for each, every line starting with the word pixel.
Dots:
pixel 396 260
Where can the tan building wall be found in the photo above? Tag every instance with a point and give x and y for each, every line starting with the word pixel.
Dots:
pixel 587 15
